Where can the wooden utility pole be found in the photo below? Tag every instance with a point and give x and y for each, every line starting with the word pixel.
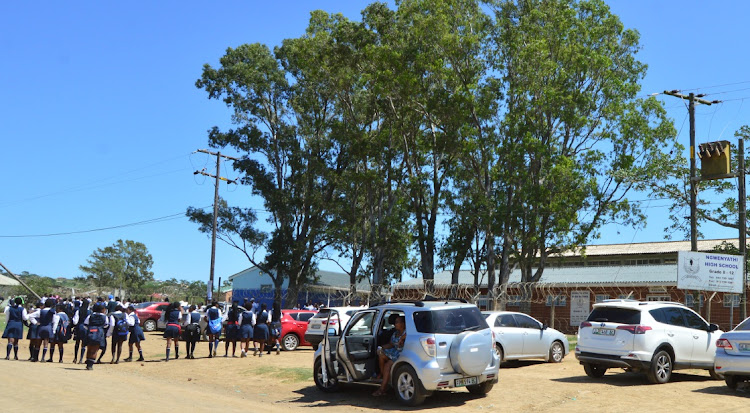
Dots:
pixel 210 286
pixel 21 282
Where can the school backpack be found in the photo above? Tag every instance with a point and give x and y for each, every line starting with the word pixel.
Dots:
pixel 121 325
pixel 62 328
pixel 214 326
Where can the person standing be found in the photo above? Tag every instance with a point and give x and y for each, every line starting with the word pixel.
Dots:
pixel 232 329
pixel 192 330
pixel 81 313
pixel 136 334
pixel 33 334
pixel 275 327
pixel 96 325
pixel 61 333
pixel 119 327
pixel 247 322
pixel 173 316
pixel 260 331
pixel 15 316
pixel 213 318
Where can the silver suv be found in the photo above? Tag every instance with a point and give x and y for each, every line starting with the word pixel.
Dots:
pixel 652 337
pixel 448 344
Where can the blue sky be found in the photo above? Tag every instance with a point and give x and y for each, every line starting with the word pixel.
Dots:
pixel 100 117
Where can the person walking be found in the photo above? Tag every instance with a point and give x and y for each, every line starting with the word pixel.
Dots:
pixel 119 327
pixel 79 336
pixel 213 318
pixel 232 329
pixel 260 331
pixel 173 316
pixel 96 326
pixel 192 330
pixel 62 332
pixel 136 334
pixel 33 333
pixel 15 316
pixel 247 322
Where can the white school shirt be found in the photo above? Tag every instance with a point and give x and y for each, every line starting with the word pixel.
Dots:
pixel 252 314
pixel 34 316
pixel 25 315
pixel 186 320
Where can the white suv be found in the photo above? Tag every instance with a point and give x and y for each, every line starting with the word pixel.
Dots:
pixel 653 337
pixel 316 325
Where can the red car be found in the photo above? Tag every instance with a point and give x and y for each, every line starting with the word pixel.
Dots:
pixel 149 314
pixel 293 328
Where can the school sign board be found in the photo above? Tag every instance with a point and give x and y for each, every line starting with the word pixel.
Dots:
pixel 579 307
pixel 709 272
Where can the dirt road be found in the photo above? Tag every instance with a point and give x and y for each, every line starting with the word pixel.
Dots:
pixel 284 383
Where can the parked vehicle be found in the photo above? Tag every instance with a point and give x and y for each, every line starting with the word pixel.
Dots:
pixel 149 314
pixel 339 317
pixel 733 355
pixel 294 324
pixel 519 336
pixel 448 345
pixel 652 337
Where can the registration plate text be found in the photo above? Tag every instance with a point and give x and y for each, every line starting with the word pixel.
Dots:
pixel 466 381
pixel 604 331
pixel 744 347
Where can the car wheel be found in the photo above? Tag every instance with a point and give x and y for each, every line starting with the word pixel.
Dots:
pixel 329 386
pixel 594 370
pixel 481 388
pixel 661 368
pixel 408 387
pixel 715 374
pixel 500 354
pixel 149 325
pixel 556 352
pixel 290 342
pixel 731 382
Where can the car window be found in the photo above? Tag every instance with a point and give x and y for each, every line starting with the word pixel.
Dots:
pixel 162 307
pixel 361 324
pixel 673 315
pixel 744 326
pixel 351 312
pixel 658 315
pixel 292 315
pixel 693 320
pixel 525 321
pixel 305 316
pixel 615 315
pixel 449 321
pixel 505 320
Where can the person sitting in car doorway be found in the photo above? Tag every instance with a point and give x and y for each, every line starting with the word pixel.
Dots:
pixel 389 352
pixel 385 335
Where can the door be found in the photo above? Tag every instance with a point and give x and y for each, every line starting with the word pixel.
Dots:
pixel 357 346
pixel 680 336
pixel 704 343
pixel 533 336
pixel 509 336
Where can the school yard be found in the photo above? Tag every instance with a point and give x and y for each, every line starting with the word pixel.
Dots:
pixel 284 383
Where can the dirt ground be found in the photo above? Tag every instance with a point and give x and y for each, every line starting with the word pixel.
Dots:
pixel 284 383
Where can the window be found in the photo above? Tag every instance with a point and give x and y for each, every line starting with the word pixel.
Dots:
pixel 266 288
pixel 673 316
pixel 626 297
pixel 305 316
pixel 690 300
pixel 514 300
pixel 525 321
pixel 560 300
pixel 694 320
pixel 731 300
pixel 292 315
pixel 505 320
pixel 658 298
pixel 449 321
pixel 601 297
pixel 615 315
pixel 362 324
pixel 658 315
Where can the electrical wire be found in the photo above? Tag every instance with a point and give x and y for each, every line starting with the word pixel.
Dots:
pixel 722 85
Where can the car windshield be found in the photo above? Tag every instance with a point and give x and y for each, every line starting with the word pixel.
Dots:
pixel 324 313
pixel 615 315
pixel 449 321
pixel 744 326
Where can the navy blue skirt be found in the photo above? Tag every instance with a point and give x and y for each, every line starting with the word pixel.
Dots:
pixel 14 329
pixel 260 332
pixel 60 337
pixel 136 335
pixel 246 332
pixel 232 332
pixel 33 333
pixel 45 332
pixel 172 331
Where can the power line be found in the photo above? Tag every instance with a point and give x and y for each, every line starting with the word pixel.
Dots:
pixel 722 85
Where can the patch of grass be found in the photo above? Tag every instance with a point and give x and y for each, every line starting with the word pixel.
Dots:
pixel 2 322
pixel 286 374
pixel 572 341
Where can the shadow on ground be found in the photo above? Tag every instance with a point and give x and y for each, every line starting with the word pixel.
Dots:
pixel 625 379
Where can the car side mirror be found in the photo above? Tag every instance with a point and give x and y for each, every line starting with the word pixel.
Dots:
pixel 712 327
pixel 331 331
pixel 544 326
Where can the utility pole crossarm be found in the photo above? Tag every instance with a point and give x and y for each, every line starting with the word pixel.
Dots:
pixel 227 180
pixel 695 98
pixel 217 154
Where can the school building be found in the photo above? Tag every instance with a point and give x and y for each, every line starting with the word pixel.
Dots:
pixel 331 288
pixel 572 282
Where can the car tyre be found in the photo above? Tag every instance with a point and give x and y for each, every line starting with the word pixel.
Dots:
pixel 481 388
pixel 290 342
pixel 715 374
pixel 332 385
pixel 556 352
pixel 409 390
pixel 594 370
pixel 315 347
pixel 731 382
pixel 500 353
pixel 661 368
pixel 149 325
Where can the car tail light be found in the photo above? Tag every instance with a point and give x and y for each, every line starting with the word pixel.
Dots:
pixel 635 329
pixel 428 344
pixel 724 343
pixel 333 322
pixel 585 324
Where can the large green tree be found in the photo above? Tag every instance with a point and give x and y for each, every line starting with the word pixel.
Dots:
pixel 125 264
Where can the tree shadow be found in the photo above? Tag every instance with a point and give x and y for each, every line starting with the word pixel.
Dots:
pixel 627 379
pixel 360 395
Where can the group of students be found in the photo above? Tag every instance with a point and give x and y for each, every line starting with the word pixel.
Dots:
pixel 50 325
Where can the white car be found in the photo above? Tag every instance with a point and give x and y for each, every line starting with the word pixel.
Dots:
pixel 654 337
pixel 518 336
pixel 339 317
pixel 733 355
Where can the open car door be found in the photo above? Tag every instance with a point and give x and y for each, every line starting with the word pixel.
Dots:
pixel 356 347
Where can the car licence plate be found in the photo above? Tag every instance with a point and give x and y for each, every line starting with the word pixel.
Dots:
pixel 466 381
pixel 744 347
pixel 604 331
pixel 315 327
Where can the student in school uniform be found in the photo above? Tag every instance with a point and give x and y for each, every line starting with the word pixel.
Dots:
pixel 232 330
pixel 119 327
pixel 136 334
pixel 61 334
pixel 192 330
pixel 96 326
pixel 79 335
pixel 260 331
pixel 247 322
pixel 173 316
pixel 33 334
pixel 15 316
pixel 48 320
pixel 274 327
pixel 213 317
